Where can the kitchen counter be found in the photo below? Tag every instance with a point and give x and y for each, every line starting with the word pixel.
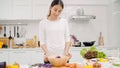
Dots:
pixel 35 55
pixel 103 65
pixel 71 48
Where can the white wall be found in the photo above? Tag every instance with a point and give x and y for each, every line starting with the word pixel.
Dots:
pixel 89 30
pixel 30 27
pixel 85 30
pixel 114 19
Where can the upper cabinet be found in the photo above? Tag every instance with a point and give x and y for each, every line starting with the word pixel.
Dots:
pixel 40 8
pixel 5 9
pixel 86 2
pixel 35 9
pixel 22 9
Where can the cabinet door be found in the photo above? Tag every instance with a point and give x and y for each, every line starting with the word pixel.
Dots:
pixel 22 9
pixel 3 56
pixel 37 56
pixel 111 52
pixel 40 8
pixel 21 57
pixel 76 57
pixel 5 9
pixel 40 12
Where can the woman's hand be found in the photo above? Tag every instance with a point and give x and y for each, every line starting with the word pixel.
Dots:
pixel 46 54
pixel 68 54
pixel 46 57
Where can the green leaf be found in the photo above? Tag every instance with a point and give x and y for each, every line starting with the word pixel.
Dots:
pixel 83 52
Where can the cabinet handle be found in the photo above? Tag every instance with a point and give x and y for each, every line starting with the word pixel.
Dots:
pixel 19 52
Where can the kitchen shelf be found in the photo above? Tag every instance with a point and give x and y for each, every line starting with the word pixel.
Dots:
pixel 83 17
pixel 20 19
pixel 80 15
pixel 16 21
pixel 13 24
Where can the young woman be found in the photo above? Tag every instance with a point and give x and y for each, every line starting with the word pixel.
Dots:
pixel 54 35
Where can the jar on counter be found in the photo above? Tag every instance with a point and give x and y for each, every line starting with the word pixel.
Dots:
pixel 101 40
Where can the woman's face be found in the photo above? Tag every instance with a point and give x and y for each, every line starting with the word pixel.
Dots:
pixel 56 10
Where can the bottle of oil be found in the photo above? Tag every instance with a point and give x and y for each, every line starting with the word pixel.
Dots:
pixel 35 40
pixel 101 40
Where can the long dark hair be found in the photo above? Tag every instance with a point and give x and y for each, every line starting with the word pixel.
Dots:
pixel 56 2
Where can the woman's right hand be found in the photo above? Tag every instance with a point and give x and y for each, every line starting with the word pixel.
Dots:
pixel 46 57
pixel 47 54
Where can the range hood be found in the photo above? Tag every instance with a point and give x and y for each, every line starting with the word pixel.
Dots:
pixel 80 15
pixel 83 17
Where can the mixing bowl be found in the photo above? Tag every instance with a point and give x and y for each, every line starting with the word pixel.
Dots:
pixel 58 61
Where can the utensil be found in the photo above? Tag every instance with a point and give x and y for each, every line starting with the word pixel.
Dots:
pixel 14 31
pixel 4 31
pixel 10 37
pixel 22 31
pixel 74 38
pixel 18 32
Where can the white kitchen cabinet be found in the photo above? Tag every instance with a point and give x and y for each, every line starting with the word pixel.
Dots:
pixel 86 2
pixel 4 56
pixel 42 2
pixel 111 52
pixel 26 56
pixel 40 11
pixel 5 9
pixel 20 56
pixel 37 56
pixel 40 8
pixel 35 9
pixel 22 9
pixel 76 57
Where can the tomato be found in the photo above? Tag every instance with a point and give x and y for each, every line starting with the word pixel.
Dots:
pixel 96 65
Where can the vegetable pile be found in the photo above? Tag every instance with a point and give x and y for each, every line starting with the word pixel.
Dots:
pixel 92 52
